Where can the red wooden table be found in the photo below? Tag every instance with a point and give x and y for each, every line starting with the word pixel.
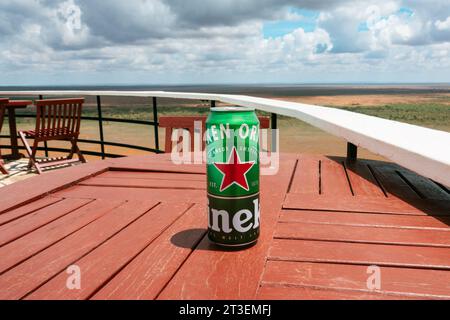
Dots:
pixel 135 228
pixel 11 107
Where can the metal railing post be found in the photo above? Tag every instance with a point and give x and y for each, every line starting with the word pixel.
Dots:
pixel 45 142
pixel 352 152
pixel 100 126
pixel 156 123
pixel 274 127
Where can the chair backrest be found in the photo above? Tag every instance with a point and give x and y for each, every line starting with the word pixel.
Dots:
pixel 3 102
pixel 188 123
pixel 58 118
pixel 171 123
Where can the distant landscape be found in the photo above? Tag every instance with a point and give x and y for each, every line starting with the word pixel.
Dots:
pixel 423 105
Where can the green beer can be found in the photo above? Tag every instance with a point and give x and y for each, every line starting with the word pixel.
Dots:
pixel 232 153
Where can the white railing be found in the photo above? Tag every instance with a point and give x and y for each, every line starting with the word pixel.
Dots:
pixel 425 151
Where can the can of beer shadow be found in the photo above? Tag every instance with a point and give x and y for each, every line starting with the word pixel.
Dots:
pixel 232 153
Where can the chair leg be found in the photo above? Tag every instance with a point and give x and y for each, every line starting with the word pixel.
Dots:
pixel 76 150
pixel 33 160
pixel 72 150
pixel 80 155
pixel 31 152
pixel 2 167
pixel 27 148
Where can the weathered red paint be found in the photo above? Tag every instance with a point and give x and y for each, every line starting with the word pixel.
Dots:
pixel 136 226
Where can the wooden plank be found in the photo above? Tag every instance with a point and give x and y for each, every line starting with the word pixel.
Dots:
pixel 27 209
pixel 306 176
pixel 394 281
pixel 105 261
pixel 211 273
pixel 424 186
pixel 334 180
pixel 394 185
pixel 362 181
pixel 294 293
pixel 138 194
pixel 148 273
pixel 366 219
pixel 17 228
pixel 153 175
pixel 360 253
pixel 19 194
pixel 390 205
pixel 308 231
pixel 36 241
pixel 146 159
pixel 26 277
pixel 144 183
pixel 45 164
pixel 154 163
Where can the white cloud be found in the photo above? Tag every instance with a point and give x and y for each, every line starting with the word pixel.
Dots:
pixel 73 31
pixel 443 25
pixel 174 40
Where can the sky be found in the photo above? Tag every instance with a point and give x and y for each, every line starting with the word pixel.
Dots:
pixel 64 42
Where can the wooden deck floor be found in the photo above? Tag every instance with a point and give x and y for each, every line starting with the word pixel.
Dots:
pixel 135 227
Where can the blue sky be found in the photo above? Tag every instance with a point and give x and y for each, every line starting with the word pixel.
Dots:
pixel 223 41
pixel 306 19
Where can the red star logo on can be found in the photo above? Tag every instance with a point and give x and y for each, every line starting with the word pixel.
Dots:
pixel 234 171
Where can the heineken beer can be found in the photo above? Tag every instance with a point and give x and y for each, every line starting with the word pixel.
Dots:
pixel 232 153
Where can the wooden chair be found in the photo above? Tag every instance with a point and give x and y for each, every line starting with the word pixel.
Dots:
pixel 187 123
pixel 3 103
pixel 55 120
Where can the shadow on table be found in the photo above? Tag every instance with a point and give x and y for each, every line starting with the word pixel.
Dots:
pixel 198 240
pixel 394 180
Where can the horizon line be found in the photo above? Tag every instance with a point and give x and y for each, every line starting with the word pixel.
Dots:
pixel 223 84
